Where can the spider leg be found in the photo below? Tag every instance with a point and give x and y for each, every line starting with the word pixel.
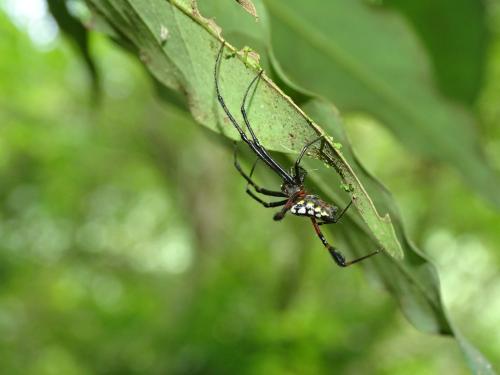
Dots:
pixel 223 103
pixel 281 214
pixel 337 218
pixel 256 147
pixel 262 191
pixel 266 204
pixel 243 110
pixel 302 153
pixel 336 255
pixel 249 180
pixel 255 81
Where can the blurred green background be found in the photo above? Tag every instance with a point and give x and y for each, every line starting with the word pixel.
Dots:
pixel 128 245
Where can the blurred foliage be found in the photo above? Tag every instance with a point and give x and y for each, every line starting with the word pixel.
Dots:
pixel 128 246
pixel 78 34
pixel 456 36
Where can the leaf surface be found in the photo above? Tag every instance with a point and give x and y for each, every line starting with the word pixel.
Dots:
pixel 413 282
pixel 185 62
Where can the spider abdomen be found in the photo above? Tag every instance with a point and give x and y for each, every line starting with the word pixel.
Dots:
pixel 312 206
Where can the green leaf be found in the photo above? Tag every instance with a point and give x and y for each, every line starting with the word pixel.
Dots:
pixel 185 62
pixel 413 282
pixel 366 59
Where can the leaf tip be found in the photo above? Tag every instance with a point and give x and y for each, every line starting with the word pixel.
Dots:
pixel 249 7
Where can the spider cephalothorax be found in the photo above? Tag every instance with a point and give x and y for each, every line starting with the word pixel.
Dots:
pixel 291 188
pixel 297 200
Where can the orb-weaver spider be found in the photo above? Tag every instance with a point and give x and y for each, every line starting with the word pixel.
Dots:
pixel 297 200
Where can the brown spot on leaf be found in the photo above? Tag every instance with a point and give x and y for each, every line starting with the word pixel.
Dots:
pixel 249 8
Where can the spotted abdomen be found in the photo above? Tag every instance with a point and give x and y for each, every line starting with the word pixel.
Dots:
pixel 312 206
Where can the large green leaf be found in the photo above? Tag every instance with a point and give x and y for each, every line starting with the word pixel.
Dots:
pixel 367 59
pixel 456 36
pixel 414 281
pixel 178 46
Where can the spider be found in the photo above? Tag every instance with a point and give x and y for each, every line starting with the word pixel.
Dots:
pixel 297 199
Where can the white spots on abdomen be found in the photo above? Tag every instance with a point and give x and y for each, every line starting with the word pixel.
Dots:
pixel 308 208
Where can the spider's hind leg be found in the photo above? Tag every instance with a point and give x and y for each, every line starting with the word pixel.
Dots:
pixel 336 255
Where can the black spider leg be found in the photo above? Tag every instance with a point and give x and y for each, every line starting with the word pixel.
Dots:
pixel 257 188
pixel 264 191
pixel 336 255
pixel 255 81
pixel 302 153
pixel 249 180
pixel 296 166
pixel 337 218
pixel 255 146
pixel 281 214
